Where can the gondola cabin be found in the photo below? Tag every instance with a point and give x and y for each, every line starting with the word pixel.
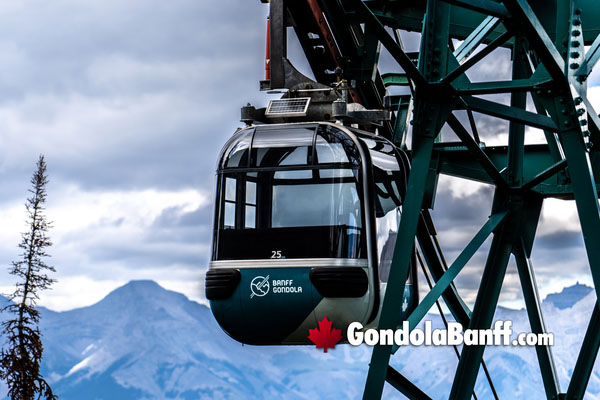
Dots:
pixel 306 219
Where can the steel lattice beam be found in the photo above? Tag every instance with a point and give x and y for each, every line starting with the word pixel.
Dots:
pixel 546 39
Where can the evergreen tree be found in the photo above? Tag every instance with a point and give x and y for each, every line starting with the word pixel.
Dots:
pixel 21 358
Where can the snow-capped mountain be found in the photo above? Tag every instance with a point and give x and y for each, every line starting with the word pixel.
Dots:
pixel 144 342
pixel 514 370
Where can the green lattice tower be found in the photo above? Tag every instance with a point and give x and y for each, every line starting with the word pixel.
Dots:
pixel 547 39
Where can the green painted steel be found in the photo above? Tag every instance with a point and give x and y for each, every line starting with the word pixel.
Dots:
pixel 487 298
pixel 587 357
pixel 562 168
pixel 471 61
pixel 392 79
pixel 400 263
pixel 547 40
pixel 462 260
pixel 435 261
pixel 545 174
pixel 476 38
pixel 516 85
pixel 409 15
pixel 404 108
pixel 591 57
pixel 584 186
pixel 536 321
pixel 403 385
pixel 508 113
pixel 516 129
pixel 429 115
pixel 477 153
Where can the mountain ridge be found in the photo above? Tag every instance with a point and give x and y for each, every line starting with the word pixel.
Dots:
pixel 142 341
pixel 568 296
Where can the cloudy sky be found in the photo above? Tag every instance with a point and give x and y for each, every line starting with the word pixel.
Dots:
pixel 130 101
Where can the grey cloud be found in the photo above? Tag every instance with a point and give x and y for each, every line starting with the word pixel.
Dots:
pixel 174 217
pixel 136 95
pixel 64 37
pixel 140 256
pixel 194 58
pixel 126 96
pixel 469 211
pixel 496 66
pixel 174 238
pixel 560 239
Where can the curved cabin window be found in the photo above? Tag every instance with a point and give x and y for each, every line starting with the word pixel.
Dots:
pixel 335 147
pixel 238 153
pixel 389 183
pixel 309 213
pixel 268 150
pixel 286 204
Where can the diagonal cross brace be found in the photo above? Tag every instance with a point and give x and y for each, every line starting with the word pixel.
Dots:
pixel 536 320
pixel 585 360
pixel 476 38
pixel 446 280
pixel 476 151
pixel 510 113
pixel 525 18
pixel 388 42
pixel 485 305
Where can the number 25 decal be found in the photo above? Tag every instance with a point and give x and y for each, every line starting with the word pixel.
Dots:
pixel 275 253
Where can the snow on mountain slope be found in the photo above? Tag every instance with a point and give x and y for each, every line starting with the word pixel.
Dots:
pixel 144 342
pixel 514 370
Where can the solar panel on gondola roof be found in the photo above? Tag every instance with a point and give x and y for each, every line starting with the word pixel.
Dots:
pixel 288 107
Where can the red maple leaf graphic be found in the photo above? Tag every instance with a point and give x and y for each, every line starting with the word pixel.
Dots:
pixel 325 337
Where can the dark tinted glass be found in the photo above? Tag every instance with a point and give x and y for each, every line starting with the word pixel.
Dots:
pixel 301 213
pixel 383 154
pixel 389 190
pixel 389 177
pixel 328 198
